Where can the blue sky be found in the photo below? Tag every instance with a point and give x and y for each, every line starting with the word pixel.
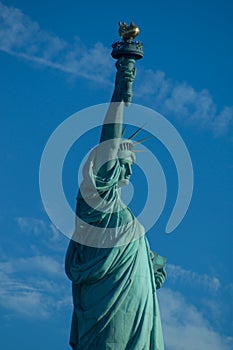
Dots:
pixel 55 61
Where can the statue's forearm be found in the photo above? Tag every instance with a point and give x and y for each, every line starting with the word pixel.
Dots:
pixel 112 126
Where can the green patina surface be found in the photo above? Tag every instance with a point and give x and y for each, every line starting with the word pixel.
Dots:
pixel 114 286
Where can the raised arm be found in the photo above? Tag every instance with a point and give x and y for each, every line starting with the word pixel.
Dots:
pixel 112 125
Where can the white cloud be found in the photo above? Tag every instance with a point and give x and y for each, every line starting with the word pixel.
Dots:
pixel 177 274
pixel 185 327
pixel 50 236
pixel 32 225
pixel 44 264
pixel 223 121
pixel 34 287
pixel 207 292
pixel 21 298
pixel 22 37
pixel 181 100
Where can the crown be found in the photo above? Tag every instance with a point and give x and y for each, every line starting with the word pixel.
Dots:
pixel 127 145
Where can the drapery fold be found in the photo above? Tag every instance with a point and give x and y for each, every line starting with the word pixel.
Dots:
pixel 114 291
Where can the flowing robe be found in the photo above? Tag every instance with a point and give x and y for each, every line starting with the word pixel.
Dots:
pixel 114 291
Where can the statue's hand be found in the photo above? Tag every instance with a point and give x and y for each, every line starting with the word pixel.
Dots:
pixel 125 76
pixel 160 277
pixel 158 263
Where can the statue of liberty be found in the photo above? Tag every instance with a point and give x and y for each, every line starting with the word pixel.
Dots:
pixel 114 273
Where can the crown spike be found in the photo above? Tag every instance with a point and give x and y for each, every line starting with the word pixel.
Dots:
pixel 143 140
pixel 138 151
pixel 136 132
pixel 123 132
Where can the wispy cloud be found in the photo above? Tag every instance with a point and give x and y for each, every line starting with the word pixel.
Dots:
pixel 33 287
pixel 211 297
pixel 32 225
pixel 22 37
pixel 177 275
pixel 40 263
pixel 36 287
pixel 49 234
pixel 22 298
pixel 185 327
pixel 182 101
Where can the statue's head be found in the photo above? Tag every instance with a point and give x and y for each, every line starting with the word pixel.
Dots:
pixel 127 158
